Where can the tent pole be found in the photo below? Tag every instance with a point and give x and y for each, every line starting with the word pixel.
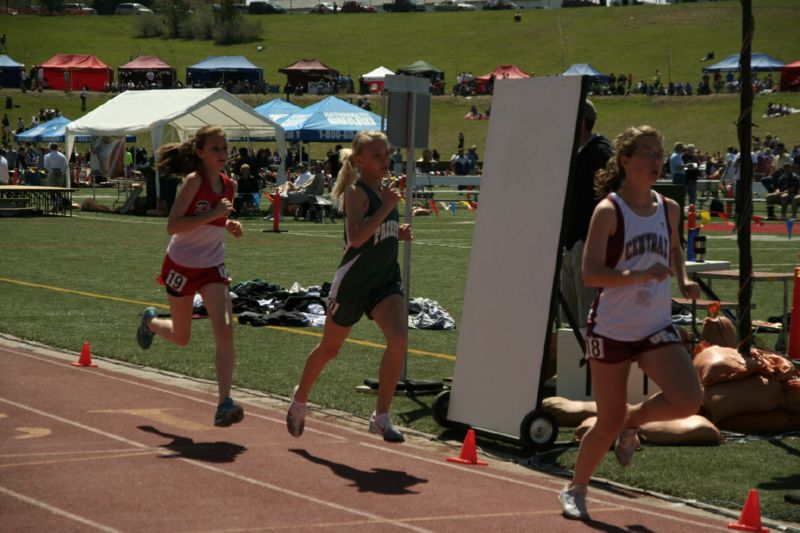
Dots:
pixel 744 195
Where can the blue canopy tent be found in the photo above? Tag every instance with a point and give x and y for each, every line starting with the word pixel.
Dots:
pixel 214 69
pixel 585 69
pixel 329 120
pixel 10 72
pixel 31 135
pixel 52 131
pixel 758 63
pixel 278 110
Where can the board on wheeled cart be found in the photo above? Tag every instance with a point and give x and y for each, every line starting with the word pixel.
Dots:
pixel 511 295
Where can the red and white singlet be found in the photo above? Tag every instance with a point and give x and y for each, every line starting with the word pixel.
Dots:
pixel 203 246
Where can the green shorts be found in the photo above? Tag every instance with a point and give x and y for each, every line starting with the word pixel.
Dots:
pixel 346 313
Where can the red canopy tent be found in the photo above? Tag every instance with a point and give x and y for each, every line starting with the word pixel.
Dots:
pixel 500 72
pixel 138 69
pixel 84 70
pixel 306 71
pixel 790 77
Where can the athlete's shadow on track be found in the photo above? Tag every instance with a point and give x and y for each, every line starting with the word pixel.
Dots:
pixel 377 480
pixel 602 526
pixel 186 448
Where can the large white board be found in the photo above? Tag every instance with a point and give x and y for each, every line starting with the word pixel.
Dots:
pixel 515 251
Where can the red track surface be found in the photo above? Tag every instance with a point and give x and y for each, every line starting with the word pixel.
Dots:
pixel 117 449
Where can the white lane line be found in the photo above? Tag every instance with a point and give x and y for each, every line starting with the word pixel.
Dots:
pixel 379 447
pixel 56 510
pixel 57 362
pixel 275 488
pixel 528 484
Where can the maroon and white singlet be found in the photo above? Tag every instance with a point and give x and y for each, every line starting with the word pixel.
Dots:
pixel 634 312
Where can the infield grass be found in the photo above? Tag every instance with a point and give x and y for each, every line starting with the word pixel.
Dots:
pixel 66 281
pixel 85 278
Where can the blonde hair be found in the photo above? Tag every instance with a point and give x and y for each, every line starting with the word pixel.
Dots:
pixel 179 159
pixel 611 178
pixel 348 174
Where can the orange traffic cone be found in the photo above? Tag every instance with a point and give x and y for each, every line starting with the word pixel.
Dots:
pixel 750 519
pixel 86 357
pixel 469 455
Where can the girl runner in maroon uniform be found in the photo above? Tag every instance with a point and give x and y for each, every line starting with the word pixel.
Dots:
pixel 631 245
pixel 195 260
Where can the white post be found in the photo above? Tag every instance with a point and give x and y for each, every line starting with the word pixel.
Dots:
pixel 410 182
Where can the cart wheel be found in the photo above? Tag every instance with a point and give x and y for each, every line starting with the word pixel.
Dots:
pixel 440 406
pixel 538 430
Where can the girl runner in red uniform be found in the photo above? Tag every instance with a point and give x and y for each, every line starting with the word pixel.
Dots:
pixel 195 259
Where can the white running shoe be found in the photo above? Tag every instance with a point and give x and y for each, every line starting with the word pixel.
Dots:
pixel 573 501
pixel 627 443
pixel 296 416
pixel 382 425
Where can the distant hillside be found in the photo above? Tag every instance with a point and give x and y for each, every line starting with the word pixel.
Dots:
pixel 635 40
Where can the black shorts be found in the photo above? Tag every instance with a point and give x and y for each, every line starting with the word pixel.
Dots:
pixel 346 313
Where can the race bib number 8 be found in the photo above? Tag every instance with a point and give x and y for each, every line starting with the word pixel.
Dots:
pixel 594 348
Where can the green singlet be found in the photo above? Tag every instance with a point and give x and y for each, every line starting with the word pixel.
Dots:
pixel 369 273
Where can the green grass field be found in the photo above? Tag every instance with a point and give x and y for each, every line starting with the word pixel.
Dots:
pixel 66 281
pixel 70 280
pixel 635 40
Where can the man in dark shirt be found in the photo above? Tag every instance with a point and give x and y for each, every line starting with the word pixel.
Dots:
pixel 594 151
pixel 334 165
pixel 786 193
pixel 248 191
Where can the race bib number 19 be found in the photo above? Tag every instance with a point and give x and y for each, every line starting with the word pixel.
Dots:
pixel 175 281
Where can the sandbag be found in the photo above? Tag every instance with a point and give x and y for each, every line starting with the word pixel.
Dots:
pixel 755 394
pixel 719 331
pixel 693 430
pixel 719 364
pixel 775 366
pixel 777 421
pixel 569 413
pixel 790 400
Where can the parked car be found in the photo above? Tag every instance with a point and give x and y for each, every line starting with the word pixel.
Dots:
pixel 452 5
pixel 403 6
pixel 72 8
pixel 322 8
pixel 130 8
pixel 241 8
pixel 265 7
pixel 351 6
pixel 500 4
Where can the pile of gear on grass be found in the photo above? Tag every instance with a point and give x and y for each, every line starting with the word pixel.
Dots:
pixel 758 394
pixel 261 303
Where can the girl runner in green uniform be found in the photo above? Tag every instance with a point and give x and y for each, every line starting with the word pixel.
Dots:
pixel 367 280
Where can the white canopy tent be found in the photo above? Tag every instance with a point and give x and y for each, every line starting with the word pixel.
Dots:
pixel 379 74
pixel 173 115
pixel 374 79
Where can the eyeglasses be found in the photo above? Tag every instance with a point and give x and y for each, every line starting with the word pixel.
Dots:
pixel 653 156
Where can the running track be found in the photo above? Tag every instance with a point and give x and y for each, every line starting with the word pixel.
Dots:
pixel 120 449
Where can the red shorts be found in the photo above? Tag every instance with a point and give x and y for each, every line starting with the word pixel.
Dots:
pixel 185 281
pixel 607 350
